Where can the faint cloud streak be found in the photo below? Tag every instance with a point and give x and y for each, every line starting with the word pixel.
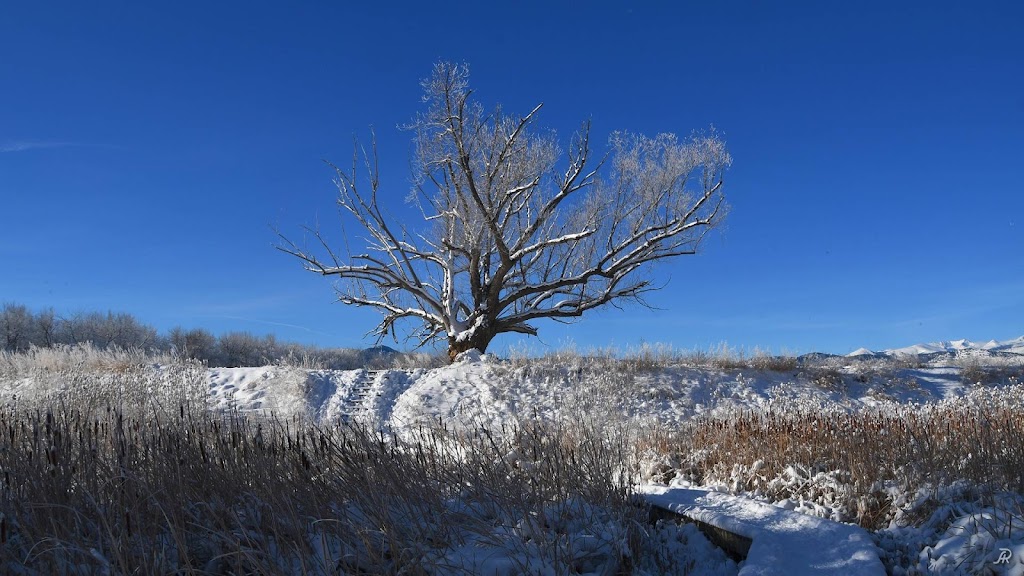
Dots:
pixel 243 311
pixel 26 145
pixel 241 306
pixel 280 324
pixel 23 146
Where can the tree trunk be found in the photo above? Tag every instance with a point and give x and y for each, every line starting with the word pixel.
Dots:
pixel 479 340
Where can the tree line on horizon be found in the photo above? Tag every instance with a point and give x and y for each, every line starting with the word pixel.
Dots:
pixel 22 329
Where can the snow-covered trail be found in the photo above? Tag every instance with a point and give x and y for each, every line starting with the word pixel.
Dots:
pixel 940 383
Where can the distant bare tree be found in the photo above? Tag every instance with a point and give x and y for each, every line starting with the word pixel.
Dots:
pixel 15 327
pixel 517 230
pixel 245 349
pixel 197 343
pixel 118 329
pixel 46 328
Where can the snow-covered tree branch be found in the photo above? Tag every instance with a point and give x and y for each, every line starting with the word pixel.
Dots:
pixel 516 229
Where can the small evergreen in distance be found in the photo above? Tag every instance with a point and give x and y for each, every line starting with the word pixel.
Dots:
pixel 22 328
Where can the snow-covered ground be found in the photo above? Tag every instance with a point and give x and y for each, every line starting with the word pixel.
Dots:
pixel 961 532
pixel 782 542
pixel 483 391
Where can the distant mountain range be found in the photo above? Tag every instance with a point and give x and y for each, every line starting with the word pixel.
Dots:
pixel 1015 346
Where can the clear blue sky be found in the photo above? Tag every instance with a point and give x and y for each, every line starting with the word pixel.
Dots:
pixel 148 149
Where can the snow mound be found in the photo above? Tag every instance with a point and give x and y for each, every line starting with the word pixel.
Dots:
pixel 469 356
pixel 479 390
pixel 783 542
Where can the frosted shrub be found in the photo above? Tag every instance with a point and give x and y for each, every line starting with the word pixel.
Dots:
pixel 87 378
pixel 842 460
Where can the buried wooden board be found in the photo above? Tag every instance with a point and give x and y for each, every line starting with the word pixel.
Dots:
pixel 781 542
pixel 735 546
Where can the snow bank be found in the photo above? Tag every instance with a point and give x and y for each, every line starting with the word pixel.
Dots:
pixel 784 542
pixel 479 390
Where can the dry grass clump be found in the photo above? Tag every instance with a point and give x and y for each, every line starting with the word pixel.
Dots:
pixel 988 371
pixel 770 363
pixel 63 357
pixel 846 460
pixel 107 491
pixel 414 360
pixel 726 358
pixel 90 378
pixel 826 370
pixel 825 377
pixel 651 357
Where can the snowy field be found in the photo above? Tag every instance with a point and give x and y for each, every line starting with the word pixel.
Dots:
pixel 481 390
pixel 675 414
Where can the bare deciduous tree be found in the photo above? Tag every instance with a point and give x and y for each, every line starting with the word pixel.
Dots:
pixel 516 230
pixel 197 344
pixel 118 329
pixel 46 328
pixel 15 327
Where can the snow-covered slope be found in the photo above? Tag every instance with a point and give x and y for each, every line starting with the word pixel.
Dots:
pixel 487 392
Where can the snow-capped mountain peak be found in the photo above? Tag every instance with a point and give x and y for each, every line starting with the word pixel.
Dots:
pixel 1015 346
